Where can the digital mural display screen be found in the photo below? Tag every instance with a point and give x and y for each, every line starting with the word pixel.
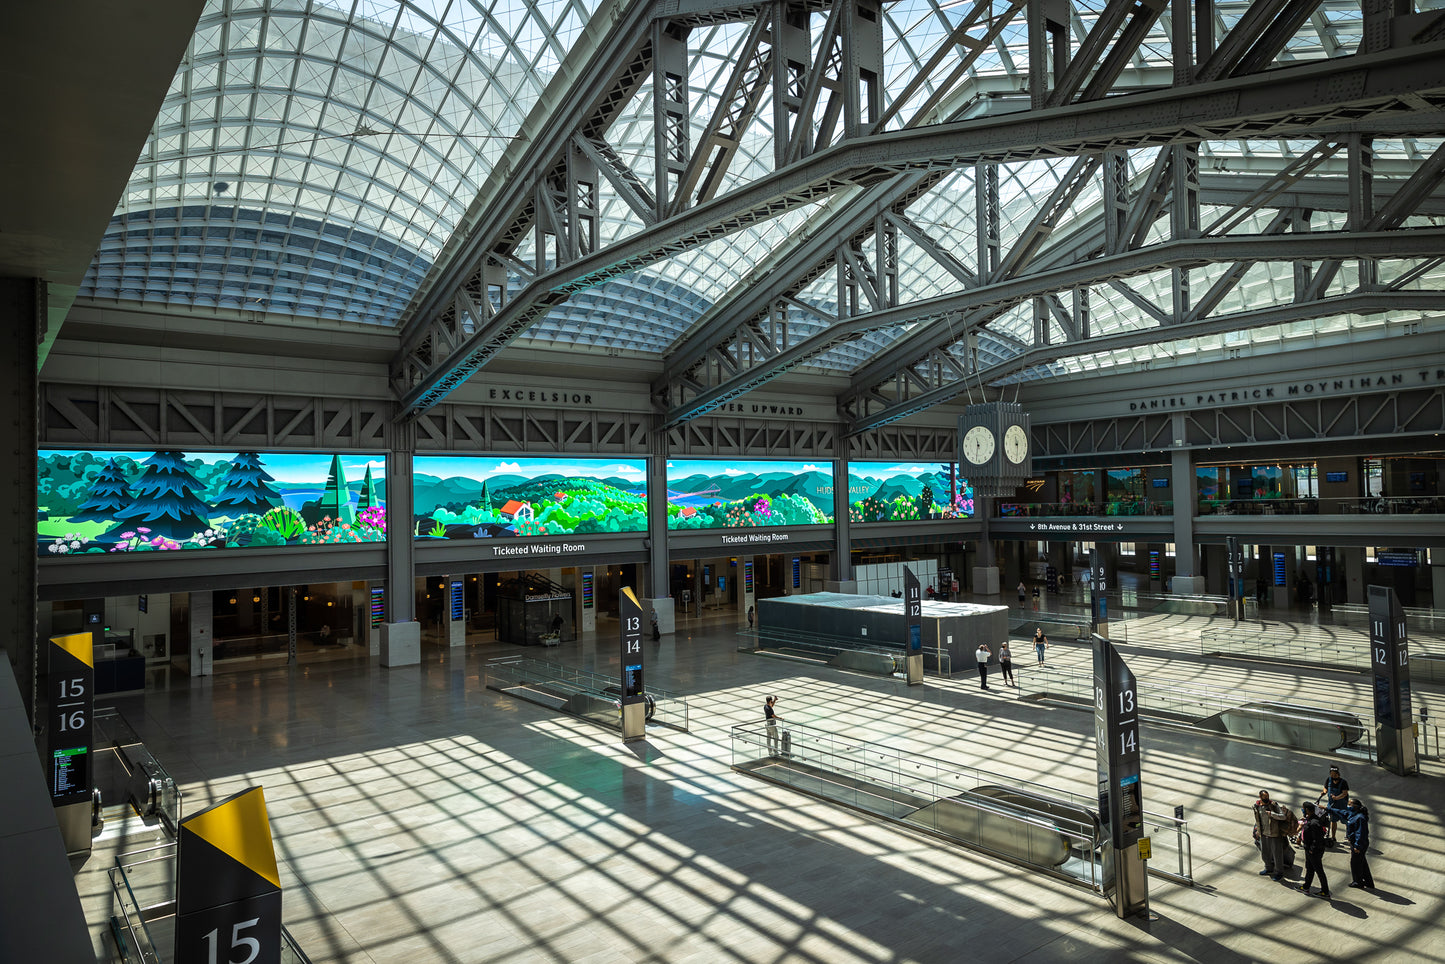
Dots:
pixel 166 500
pixel 709 494
pixel 907 492
pixel 474 497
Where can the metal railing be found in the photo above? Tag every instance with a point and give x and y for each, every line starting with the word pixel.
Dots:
pixel 1050 830
pixel 579 692
pixel 1281 643
pixel 1420 621
pixel 1304 728
pixel 846 652
pixel 143 885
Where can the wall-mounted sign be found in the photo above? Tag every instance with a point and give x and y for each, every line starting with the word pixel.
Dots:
pixel 1397 557
pixel 1159 483
pixel 378 606
pixel 1279 569
pixel 747 577
pixel 587 602
pixel 797 573
pixel 1077 529
pixel 459 606
pixel 1337 476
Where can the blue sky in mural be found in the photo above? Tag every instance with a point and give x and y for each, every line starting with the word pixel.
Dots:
pixel 473 467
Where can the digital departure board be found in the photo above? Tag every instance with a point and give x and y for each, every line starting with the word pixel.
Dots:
pixel 1153 563
pixel 632 681
pixel 797 573
pixel 586 590
pixel 459 604
pixel 1279 570
pixel 747 577
pixel 378 606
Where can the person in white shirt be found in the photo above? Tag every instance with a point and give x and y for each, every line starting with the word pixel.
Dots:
pixel 983 655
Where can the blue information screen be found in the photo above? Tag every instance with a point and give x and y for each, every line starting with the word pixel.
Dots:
pixel 378 605
pixel 459 609
pixel 1279 573
pixel 587 590
pixel 747 577
pixel 797 572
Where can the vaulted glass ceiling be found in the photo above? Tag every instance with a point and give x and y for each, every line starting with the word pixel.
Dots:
pixel 313 157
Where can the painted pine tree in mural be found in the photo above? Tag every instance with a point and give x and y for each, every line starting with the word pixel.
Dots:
pixel 109 494
pixel 336 497
pixel 246 490
pixel 165 500
pixel 368 497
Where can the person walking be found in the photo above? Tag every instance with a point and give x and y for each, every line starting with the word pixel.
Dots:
pixel 983 655
pixel 1006 663
pixel 1312 837
pixel 750 617
pixel 656 628
pixel 1268 818
pixel 1357 834
pixel 1041 643
pixel 1336 794
pixel 771 718
pixel 1023 592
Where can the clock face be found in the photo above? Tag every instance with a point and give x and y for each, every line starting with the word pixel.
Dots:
pixel 1015 444
pixel 978 445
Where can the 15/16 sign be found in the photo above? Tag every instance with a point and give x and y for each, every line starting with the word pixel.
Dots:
pixel 72 707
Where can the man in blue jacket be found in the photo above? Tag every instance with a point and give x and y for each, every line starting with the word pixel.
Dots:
pixel 1357 832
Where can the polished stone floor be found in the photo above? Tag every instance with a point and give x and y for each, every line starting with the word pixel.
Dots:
pixel 419 816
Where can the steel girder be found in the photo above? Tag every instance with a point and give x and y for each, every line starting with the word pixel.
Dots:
pixel 1297 100
pixel 83 415
pixel 1410 411
pixel 890 409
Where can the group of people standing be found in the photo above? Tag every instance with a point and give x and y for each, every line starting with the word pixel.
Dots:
pixel 1005 659
pixel 1318 830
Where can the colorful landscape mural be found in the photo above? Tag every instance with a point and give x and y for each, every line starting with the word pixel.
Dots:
pixel 906 492
pixel 708 494
pixel 147 501
pixel 466 497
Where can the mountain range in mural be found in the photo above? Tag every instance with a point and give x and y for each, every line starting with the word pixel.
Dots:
pixel 508 505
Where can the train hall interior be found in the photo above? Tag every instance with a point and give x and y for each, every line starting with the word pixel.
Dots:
pixel 439 425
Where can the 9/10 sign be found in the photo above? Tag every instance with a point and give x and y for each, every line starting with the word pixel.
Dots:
pixel 72 706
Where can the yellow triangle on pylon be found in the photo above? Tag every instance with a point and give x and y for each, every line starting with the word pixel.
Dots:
pixel 627 590
pixel 239 829
pixel 79 645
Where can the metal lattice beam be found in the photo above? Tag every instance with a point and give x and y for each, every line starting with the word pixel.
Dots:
pixel 1297 100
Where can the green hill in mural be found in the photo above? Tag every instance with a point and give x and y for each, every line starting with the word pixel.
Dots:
pixel 515 505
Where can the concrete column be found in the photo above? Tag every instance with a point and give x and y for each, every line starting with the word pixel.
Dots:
pixel 22 321
pixel 841 565
pixel 659 577
pixel 401 633
pixel 1184 492
pixel 202 641
pixel 985 571
pixel 1351 561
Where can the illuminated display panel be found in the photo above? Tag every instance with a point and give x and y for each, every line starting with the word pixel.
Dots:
pixel 906 492
pixel 472 497
pixel 168 500
pixel 709 494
